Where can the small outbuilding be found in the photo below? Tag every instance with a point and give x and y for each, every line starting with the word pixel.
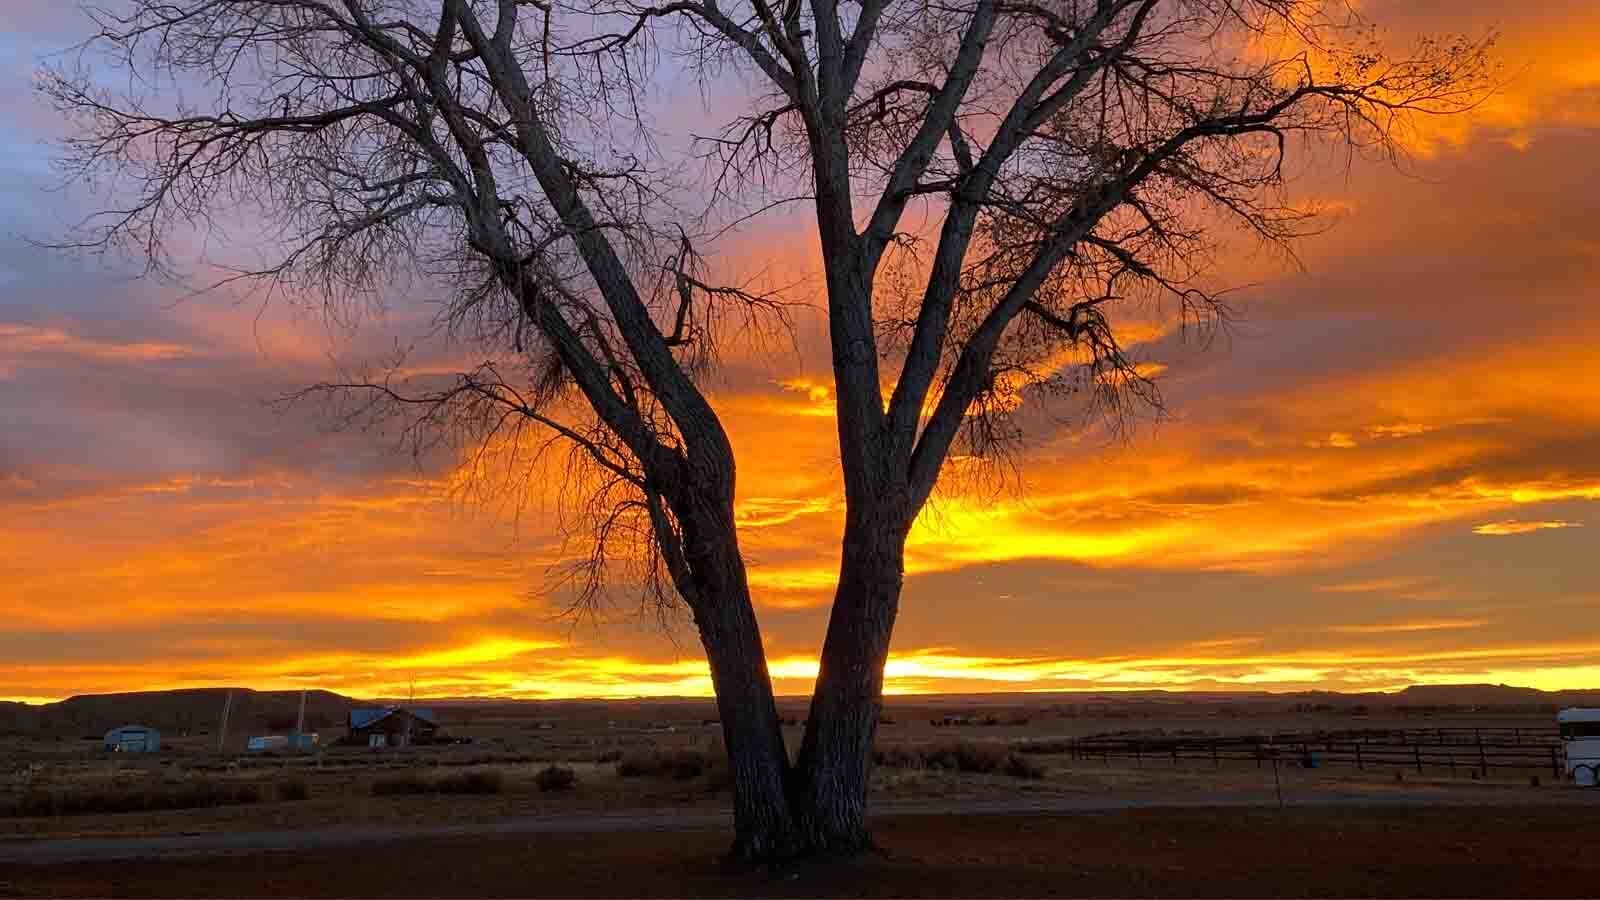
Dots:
pixel 294 740
pixel 392 726
pixel 133 739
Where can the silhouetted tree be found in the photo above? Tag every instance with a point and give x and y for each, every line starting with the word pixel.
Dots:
pixel 1074 154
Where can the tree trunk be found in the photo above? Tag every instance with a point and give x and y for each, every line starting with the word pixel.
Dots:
pixel 835 761
pixel 763 821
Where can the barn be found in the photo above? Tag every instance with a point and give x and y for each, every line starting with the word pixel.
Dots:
pixel 133 739
pixel 392 726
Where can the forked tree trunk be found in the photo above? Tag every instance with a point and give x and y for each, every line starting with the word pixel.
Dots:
pixel 835 761
pixel 818 805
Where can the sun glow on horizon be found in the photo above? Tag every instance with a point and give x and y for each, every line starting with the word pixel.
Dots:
pixel 1385 473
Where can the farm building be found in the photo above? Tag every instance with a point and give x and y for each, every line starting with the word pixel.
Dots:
pixel 392 726
pixel 294 740
pixel 133 739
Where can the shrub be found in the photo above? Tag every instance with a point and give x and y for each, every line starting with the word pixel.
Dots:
pixel 964 756
pixel 958 756
pixel 897 757
pixel 1018 766
pixel 398 785
pixel 294 789
pixel 680 764
pixel 555 778
pixel 610 756
pixel 456 783
pixel 482 782
pixel 209 793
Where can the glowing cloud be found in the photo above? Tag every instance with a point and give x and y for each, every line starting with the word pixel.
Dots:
pixel 1513 526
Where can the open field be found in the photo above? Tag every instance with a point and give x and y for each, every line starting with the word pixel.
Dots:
pixel 1054 795
pixel 667 755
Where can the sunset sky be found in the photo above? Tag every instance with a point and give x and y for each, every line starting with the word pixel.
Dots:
pixel 1387 473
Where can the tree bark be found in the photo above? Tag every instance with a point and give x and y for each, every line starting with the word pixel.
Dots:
pixel 835 760
pixel 763 820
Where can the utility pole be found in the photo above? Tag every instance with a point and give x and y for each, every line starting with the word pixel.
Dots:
pixel 222 731
pixel 411 702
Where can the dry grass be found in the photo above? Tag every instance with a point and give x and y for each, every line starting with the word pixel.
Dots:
pixel 958 756
pixel 681 765
pixel 478 782
pixel 84 801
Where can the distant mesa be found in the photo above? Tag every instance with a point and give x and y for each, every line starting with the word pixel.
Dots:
pixel 185 715
pixel 179 713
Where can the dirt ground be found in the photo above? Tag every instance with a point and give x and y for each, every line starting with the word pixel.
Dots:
pixel 1490 851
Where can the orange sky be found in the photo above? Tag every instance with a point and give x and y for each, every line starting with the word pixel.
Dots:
pixel 1386 475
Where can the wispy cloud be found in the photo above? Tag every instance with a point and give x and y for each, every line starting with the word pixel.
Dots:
pixel 1411 626
pixel 18 342
pixel 1515 526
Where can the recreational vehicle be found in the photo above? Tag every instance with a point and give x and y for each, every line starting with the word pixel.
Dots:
pixel 1580 739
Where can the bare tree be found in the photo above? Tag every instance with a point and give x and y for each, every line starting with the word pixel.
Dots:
pixel 1076 155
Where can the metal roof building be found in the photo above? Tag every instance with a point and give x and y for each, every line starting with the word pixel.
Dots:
pixel 392 726
pixel 133 739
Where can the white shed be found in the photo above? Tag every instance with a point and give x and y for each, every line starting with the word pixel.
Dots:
pixel 133 739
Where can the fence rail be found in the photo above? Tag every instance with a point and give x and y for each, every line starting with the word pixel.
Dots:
pixel 1476 750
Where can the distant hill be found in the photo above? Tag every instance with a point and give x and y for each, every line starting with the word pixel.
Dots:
pixel 193 711
pixel 198 711
pixel 1492 695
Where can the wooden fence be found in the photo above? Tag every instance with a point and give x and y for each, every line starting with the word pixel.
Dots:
pixel 1474 751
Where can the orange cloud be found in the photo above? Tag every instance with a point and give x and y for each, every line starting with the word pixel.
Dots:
pixel 1512 526
pixel 21 342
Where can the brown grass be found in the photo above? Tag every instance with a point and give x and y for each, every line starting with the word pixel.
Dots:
pixel 678 764
pixel 958 756
pixel 86 801
pixel 479 782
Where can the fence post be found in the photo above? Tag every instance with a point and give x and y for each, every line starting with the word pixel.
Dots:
pixel 1416 751
pixel 1214 761
pixel 1555 763
pixel 1483 761
pixel 1358 756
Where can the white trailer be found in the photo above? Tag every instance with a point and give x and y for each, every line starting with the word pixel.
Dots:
pixel 1580 739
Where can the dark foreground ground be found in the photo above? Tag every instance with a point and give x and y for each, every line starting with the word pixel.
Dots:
pixel 1491 851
